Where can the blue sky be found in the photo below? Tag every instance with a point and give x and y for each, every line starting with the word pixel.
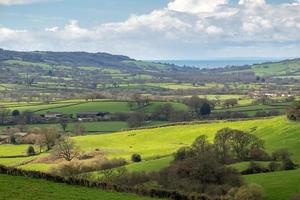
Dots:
pixel 154 29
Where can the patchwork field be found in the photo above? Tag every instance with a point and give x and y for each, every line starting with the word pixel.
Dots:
pixel 157 145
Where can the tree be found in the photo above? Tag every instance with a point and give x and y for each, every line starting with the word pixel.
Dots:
pixel 136 120
pixel 136 157
pixel 4 113
pixel 221 141
pixel 79 128
pixel 66 149
pixel 163 112
pixel 197 169
pixel 30 151
pixel 293 113
pixel 40 142
pixel 199 106
pixel 64 124
pixel 205 109
pixel 242 143
pixel 230 102
pixel 15 113
pixel 50 136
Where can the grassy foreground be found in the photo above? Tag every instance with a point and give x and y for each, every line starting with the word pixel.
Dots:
pixel 22 188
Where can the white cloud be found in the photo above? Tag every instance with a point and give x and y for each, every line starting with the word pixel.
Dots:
pixel 18 2
pixel 52 29
pixel 196 6
pixel 252 3
pixel 184 28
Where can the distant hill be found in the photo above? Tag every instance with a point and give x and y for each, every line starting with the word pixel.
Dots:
pixel 79 59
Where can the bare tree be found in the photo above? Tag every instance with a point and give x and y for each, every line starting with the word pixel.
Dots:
pixel 79 128
pixel 66 149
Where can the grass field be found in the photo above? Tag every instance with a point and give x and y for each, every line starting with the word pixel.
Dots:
pixel 22 188
pixel 277 132
pixel 277 185
pixel 105 126
pixel 13 150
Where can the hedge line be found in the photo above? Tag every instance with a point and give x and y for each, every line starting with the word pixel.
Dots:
pixel 187 123
pixel 142 191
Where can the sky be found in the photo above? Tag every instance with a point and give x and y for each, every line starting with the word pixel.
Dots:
pixel 154 29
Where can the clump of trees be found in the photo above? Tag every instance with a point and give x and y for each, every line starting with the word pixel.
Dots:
pixel 236 145
pixel 293 113
pixel 199 107
pixel 136 119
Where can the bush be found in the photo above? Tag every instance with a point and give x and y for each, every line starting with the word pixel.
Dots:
pixel 288 164
pixel 249 192
pixel 255 168
pixel 281 154
pixel 274 166
pixel 76 167
pixel 30 151
pixel 136 157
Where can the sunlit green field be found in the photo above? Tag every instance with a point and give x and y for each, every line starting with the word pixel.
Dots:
pixel 277 132
pixel 21 188
pixel 277 185
pixel 13 150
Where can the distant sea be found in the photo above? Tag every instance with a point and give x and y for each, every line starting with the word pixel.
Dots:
pixel 216 63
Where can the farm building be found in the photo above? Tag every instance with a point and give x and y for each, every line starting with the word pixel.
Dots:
pixel 53 115
pixel 92 115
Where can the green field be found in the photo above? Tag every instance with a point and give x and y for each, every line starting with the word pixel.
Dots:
pixel 13 150
pixel 100 127
pixel 277 185
pixel 21 188
pixel 277 132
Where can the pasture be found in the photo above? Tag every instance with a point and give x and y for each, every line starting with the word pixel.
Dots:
pixel 22 188
pixel 277 132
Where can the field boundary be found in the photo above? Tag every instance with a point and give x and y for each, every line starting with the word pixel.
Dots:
pixel 142 191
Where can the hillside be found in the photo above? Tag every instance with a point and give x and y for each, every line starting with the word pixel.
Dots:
pixel 277 132
pixel 76 59
pixel 157 144
pixel 21 188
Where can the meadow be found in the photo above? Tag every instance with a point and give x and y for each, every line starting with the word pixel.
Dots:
pixel 156 145
pixel 278 132
pixel 22 188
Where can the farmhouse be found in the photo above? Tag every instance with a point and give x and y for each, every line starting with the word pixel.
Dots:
pixel 92 115
pixel 53 115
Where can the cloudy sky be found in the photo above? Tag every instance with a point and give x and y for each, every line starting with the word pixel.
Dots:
pixel 154 29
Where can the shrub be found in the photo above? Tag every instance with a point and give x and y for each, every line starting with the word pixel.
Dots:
pixel 30 151
pixel 136 157
pixel 258 155
pixel 249 192
pixel 274 166
pixel 255 168
pixel 288 164
pixel 281 154
pixel 76 167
